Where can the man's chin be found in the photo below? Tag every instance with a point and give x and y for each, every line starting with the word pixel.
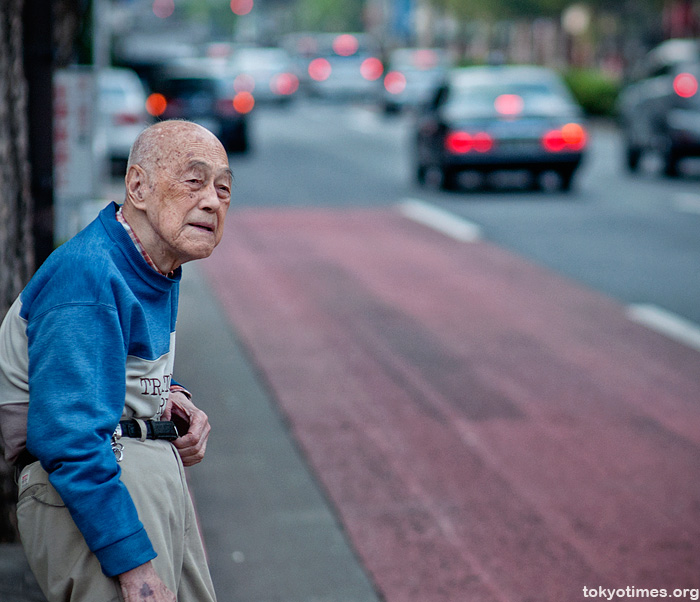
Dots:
pixel 199 253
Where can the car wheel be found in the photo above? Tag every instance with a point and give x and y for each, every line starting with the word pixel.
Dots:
pixel 535 181
pixel 633 156
pixel 671 160
pixel 420 174
pixel 566 179
pixel 448 178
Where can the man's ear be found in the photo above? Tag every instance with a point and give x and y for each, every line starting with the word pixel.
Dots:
pixel 136 184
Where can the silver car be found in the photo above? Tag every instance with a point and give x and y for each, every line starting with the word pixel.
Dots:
pixel 122 112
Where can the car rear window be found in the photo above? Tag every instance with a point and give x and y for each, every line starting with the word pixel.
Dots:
pixel 506 98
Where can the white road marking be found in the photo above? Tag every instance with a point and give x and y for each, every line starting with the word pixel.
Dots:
pixel 687 202
pixel 443 221
pixel 667 323
pixel 651 316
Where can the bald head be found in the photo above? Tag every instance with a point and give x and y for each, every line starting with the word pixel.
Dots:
pixel 165 140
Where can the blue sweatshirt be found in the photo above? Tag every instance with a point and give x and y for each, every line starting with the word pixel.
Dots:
pixel 98 326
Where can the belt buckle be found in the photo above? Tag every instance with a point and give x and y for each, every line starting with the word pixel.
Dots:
pixel 117 448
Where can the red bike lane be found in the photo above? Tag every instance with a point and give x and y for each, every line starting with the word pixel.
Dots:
pixel 486 430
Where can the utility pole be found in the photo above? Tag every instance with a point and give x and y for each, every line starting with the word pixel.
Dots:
pixel 37 21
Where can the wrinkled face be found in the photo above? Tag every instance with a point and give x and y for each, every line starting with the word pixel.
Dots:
pixel 189 193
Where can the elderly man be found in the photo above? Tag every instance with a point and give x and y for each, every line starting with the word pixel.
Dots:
pixel 89 409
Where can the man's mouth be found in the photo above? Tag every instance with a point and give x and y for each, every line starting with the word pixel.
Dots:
pixel 203 227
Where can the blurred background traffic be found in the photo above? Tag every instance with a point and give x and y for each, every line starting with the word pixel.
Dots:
pixel 221 63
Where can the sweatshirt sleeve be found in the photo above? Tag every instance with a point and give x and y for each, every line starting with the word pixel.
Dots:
pixel 77 359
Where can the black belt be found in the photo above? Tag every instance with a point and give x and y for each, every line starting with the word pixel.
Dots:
pixel 155 429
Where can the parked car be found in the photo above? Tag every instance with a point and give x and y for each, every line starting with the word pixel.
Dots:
pixel 267 73
pixel 488 119
pixel 122 113
pixel 204 92
pixel 660 111
pixel 411 77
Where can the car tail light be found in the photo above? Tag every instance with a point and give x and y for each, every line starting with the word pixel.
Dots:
pixel 461 143
pixel 685 85
pixel 319 69
pixel 371 68
pixel 284 84
pixel 483 143
pixel 243 102
pixel 571 137
pixel 345 44
pixel 156 104
pixel 395 82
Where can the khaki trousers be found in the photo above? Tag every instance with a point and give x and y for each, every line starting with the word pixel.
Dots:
pixel 65 568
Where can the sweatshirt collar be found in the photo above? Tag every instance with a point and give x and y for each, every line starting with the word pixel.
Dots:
pixel 137 242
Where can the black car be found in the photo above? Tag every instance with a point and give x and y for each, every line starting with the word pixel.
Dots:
pixel 206 94
pixel 489 119
pixel 660 111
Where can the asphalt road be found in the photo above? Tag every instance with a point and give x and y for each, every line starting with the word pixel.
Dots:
pixel 635 238
pixel 483 402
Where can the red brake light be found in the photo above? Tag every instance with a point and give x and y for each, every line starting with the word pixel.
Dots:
pixel 345 44
pixel 243 102
pixel 319 69
pixel 685 85
pixel 371 68
pixel 570 137
pixel 483 143
pixel 395 82
pixel 509 104
pixel 460 143
pixel 553 141
pixel 285 84
pixel 156 104
pixel 574 136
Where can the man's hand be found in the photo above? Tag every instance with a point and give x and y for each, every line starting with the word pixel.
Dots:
pixel 192 445
pixel 143 584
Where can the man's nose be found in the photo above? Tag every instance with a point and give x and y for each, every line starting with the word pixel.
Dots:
pixel 210 199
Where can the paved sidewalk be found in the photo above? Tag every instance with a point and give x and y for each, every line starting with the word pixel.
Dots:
pixel 17 584
pixel 269 531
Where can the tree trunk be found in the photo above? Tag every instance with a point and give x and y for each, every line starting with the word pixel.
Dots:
pixel 16 246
